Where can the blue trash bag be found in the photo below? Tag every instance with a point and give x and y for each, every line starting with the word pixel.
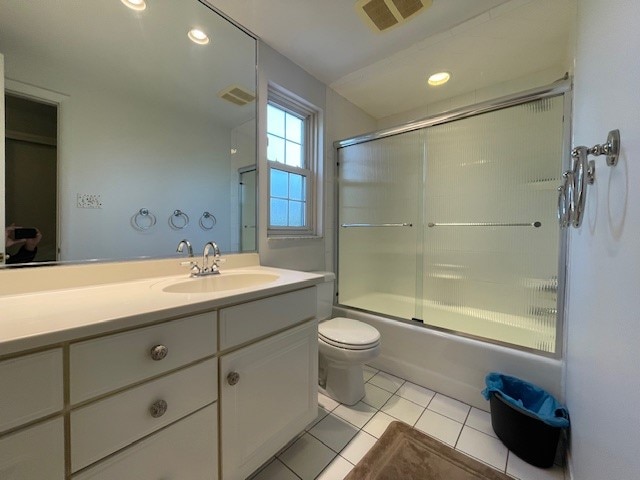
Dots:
pixel 527 397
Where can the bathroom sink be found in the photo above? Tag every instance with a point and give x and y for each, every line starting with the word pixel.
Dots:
pixel 221 282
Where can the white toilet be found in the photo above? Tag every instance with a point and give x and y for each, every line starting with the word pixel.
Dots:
pixel 344 345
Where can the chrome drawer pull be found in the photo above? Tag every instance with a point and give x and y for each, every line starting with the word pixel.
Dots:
pixel 159 352
pixel 233 378
pixel 158 408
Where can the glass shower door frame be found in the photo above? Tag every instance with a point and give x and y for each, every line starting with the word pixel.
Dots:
pixel 560 88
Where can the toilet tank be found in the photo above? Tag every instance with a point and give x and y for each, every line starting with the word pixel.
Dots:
pixel 326 292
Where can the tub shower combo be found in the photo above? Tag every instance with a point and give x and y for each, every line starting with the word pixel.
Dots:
pixel 451 223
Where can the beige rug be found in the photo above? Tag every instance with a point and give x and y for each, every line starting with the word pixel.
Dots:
pixel 404 453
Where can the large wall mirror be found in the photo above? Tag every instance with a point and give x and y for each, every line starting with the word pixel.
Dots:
pixel 125 130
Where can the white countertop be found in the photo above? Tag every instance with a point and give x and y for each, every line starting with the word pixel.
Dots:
pixel 35 320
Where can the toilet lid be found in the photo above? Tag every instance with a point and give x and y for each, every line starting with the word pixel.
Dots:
pixel 348 333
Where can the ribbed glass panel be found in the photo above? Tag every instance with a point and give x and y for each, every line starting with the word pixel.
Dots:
pixel 495 282
pixel 499 167
pixel 381 182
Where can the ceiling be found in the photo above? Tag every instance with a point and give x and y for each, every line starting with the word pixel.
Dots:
pixel 481 42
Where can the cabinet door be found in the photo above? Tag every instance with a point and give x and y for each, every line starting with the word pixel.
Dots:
pixel 34 453
pixel 272 398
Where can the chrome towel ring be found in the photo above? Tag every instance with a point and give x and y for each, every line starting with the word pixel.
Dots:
pixel 178 220
pixel 207 221
pixel 143 219
pixel 572 194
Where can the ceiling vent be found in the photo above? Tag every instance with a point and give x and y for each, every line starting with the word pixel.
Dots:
pixel 236 95
pixel 381 15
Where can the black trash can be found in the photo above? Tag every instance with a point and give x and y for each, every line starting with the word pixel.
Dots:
pixel 527 419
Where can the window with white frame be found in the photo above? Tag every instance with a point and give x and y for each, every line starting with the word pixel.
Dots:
pixel 291 157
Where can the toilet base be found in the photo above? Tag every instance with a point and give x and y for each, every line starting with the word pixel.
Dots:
pixel 344 382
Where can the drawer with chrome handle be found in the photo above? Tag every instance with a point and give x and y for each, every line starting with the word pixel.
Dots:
pixel 106 426
pixel 104 364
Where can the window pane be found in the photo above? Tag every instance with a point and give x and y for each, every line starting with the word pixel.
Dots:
pixel 296 214
pixel 296 186
pixel 278 212
pixel 294 155
pixel 294 128
pixel 279 182
pixel 275 149
pixel 275 121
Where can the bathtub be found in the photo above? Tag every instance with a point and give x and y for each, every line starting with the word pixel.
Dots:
pixel 450 364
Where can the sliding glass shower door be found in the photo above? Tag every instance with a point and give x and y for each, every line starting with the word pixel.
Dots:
pixel 380 211
pixel 454 224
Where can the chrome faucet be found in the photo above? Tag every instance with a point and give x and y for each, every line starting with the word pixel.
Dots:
pixel 205 269
pixel 195 269
pixel 213 269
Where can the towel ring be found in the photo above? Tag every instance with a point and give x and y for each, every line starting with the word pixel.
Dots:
pixel 207 221
pixel 183 222
pixel 143 219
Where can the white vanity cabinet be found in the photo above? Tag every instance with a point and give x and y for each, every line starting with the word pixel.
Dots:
pixel 31 389
pixel 268 388
pixel 127 386
pixel 207 391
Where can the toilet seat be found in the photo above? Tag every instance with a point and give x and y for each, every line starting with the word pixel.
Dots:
pixel 348 334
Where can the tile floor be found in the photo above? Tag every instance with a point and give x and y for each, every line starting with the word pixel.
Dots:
pixel 340 435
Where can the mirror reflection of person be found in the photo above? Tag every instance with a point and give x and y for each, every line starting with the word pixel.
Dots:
pixel 28 246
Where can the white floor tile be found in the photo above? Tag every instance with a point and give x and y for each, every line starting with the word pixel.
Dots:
pixel 375 396
pixel 321 414
pixel 389 382
pixel 449 407
pixel 480 420
pixel 368 372
pixel 521 470
pixel 307 457
pixel 378 424
pixel 357 415
pixel 439 426
pixel 484 447
pixel 327 403
pixel 358 447
pixel 416 393
pixel 275 471
pixel 337 469
pixel 403 409
pixel 334 432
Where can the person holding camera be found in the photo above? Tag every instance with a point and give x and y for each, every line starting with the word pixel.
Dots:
pixel 26 238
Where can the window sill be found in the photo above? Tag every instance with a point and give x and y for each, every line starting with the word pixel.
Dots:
pixel 277 238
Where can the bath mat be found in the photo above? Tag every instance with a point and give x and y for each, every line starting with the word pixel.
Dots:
pixel 405 453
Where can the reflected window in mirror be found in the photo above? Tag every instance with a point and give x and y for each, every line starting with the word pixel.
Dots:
pixel 292 159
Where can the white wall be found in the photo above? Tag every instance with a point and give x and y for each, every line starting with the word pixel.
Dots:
pixel 603 351
pixel 341 119
pixel 134 154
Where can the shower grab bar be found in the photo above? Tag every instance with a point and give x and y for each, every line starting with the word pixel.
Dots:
pixel 352 225
pixel 532 224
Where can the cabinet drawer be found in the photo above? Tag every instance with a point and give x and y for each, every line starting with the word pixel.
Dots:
pixel 30 388
pixel 186 449
pixel 110 424
pixel 34 453
pixel 104 364
pixel 248 321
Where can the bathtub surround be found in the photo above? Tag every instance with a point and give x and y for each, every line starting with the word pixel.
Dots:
pixel 453 365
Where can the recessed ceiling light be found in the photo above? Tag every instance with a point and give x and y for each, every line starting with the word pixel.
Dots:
pixel 198 36
pixel 137 5
pixel 439 78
